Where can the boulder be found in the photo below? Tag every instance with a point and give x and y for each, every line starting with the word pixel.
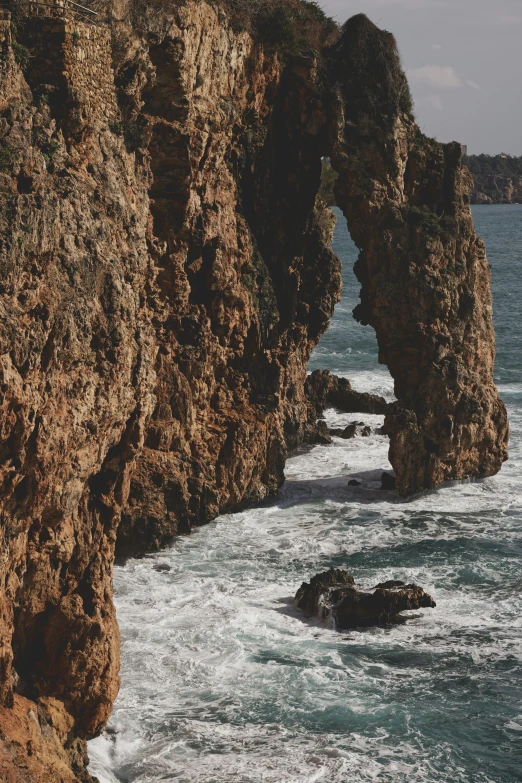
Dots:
pixel 353 429
pixel 324 389
pixel 388 481
pixel 333 597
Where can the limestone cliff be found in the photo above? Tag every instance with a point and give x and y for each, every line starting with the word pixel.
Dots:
pixel 165 274
pixel 497 179
pixel 424 274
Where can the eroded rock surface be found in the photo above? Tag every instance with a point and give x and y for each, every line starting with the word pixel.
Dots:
pixel 165 273
pixel 334 598
pixel 423 270
pixel 324 389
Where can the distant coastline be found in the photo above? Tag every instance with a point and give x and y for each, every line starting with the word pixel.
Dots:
pixel 497 179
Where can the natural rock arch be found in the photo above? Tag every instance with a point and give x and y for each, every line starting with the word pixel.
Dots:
pixel 153 355
pixel 424 273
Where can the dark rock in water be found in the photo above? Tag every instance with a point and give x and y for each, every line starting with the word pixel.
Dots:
pixel 388 481
pixel 356 427
pixel 380 430
pixel 354 483
pixel 308 596
pixel 321 435
pixel 324 389
pixel 334 597
pixel 391 583
pixel 161 567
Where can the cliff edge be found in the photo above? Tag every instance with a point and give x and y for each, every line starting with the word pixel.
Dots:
pixel 166 272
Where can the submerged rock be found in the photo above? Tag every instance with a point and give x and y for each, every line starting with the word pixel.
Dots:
pixel 334 597
pixel 321 435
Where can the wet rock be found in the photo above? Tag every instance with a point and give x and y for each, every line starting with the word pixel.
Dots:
pixel 434 330
pixel 324 389
pixel 333 597
pixel 388 481
pixel 354 483
pixel 322 436
pixel 353 429
pixel 162 567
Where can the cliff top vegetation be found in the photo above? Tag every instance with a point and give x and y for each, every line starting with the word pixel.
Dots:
pixel 499 165
pixel 290 26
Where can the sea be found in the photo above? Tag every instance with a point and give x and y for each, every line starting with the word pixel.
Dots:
pixel 223 681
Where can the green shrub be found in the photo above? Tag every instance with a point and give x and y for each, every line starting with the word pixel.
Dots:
pixel 6 158
pixel 22 55
pixel 131 132
pixel 316 12
pixel 424 218
pixel 328 179
pixel 287 26
pixel 50 149
pixel 277 28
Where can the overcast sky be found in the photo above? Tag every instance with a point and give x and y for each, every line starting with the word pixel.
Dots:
pixel 464 64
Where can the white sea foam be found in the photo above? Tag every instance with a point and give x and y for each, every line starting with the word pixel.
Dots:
pixel 222 679
pixel 224 682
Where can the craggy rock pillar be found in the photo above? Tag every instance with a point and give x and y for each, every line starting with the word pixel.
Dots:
pixel 424 273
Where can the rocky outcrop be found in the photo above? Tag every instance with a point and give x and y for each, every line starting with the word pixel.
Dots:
pixel 355 428
pixel 334 598
pixel 424 273
pixel 497 179
pixel 324 389
pixel 495 189
pixel 165 274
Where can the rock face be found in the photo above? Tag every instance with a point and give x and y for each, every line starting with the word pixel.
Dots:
pixel 424 273
pixel 333 597
pixel 497 179
pixel 496 189
pixel 165 274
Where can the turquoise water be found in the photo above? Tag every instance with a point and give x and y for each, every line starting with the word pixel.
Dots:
pixel 222 681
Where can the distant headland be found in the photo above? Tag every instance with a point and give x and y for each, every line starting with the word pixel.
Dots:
pixel 497 179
